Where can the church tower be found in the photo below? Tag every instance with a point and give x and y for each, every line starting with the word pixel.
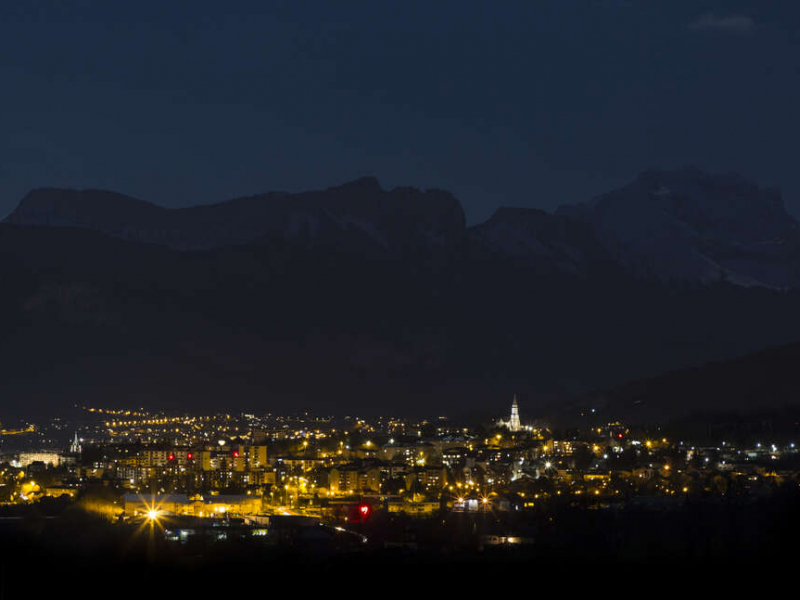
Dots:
pixel 75 447
pixel 513 422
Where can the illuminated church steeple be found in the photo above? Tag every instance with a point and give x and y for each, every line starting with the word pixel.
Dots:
pixel 513 422
pixel 75 447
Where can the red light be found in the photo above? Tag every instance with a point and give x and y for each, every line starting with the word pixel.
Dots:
pixel 171 456
pixel 359 513
pixel 190 456
pixel 235 454
pixel 619 435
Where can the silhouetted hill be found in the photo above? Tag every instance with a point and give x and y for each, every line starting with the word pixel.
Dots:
pixel 761 382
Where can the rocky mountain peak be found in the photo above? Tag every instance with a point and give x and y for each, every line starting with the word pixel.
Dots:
pixel 690 225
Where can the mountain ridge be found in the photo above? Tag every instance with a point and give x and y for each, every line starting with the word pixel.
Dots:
pixel 678 225
pixel 399 216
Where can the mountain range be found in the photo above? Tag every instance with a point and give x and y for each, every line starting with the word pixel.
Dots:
pixel 357 298
pixel 357 214
pixel 670 226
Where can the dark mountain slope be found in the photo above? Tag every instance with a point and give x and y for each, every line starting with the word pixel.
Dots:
pixel 548 243
pixel 358 299
pixel 97 320
pixel 688 225
pixel 761 382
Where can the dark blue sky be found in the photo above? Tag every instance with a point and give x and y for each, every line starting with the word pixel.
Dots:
pixel 529 103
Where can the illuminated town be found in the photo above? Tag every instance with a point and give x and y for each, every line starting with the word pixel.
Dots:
pixel 294 479
pixel 365 299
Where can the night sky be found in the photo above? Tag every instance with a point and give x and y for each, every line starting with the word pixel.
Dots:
pixel 529 103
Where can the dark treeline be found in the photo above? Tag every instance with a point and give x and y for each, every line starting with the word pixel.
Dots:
pixel 699 536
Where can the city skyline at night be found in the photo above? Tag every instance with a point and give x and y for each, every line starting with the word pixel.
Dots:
pixel 380 297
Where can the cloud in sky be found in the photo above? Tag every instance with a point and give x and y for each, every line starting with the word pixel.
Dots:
pixel 736 24
pixel 614 4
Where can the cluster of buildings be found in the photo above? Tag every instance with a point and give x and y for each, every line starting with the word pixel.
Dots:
pixel 244 466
